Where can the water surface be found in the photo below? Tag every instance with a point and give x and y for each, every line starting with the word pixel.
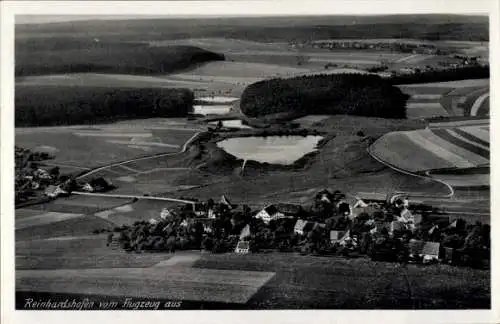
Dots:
pixel 272 149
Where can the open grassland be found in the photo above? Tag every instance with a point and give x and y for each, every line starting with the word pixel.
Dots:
pixel 194 284
pixel 105 144
pixel 224 45
pixel 464 147
pixel 243 69
pixel 79 226
pixel 356 283
pixel 78 252
pixel 72 216
pixel 107 79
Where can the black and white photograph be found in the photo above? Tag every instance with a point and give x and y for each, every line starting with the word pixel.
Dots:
pixel 330 161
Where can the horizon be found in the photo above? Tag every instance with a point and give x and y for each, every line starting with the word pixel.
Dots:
pixel 37 19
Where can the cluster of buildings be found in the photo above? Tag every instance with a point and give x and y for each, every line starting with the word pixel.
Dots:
pixel 32 180
pixel 395 46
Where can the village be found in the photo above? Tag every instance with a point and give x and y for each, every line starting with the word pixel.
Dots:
pixel 350 225
pixel 392 231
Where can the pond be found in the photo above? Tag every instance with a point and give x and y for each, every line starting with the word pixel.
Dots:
pixel 211 109
pixel 271 149
pixel 217 99
pixel 231 123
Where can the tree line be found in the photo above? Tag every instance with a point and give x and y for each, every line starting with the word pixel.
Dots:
pixel 452 74
pixel 353 94
pixel 97 57
pixel 60 105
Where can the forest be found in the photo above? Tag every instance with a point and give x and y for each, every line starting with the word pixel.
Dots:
pixel 352 94
pixel 60 105
pixel 61 55
pixel 453 74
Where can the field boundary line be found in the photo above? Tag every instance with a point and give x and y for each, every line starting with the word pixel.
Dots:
pixel 128 168
pixel 450 188
pixel 132 197
pixel 66 166
pixel 184 148
pixel 161 169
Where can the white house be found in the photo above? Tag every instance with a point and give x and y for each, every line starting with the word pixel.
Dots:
pixel 87 187
pixel 269 213
pixel 242 247
pixel 54 191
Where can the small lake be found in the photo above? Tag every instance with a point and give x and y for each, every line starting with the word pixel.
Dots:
pixel 217 99
pixel 272 149
pixel 231 123
pixel 211 109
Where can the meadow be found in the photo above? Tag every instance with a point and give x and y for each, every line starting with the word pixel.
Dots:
pixel 83 147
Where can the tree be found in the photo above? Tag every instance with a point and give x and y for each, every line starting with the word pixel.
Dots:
pixel 54 172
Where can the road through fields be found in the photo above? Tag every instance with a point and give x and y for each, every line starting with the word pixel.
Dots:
pixel 184 148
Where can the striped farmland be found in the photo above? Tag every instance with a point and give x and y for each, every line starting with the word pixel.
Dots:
pixel 434 149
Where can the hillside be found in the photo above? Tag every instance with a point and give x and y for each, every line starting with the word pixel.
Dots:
pixel 69 55
pixel 444 27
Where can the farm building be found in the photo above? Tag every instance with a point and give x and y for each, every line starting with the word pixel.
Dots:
pixel 101 185
pixel 428 251
pixel 54 191
pixel 303 226
pixel 242 247
pixel 336 236
pixel 166 214
pixel 277 211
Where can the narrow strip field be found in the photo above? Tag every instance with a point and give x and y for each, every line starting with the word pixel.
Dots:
pixel 434 148
pixel 174 283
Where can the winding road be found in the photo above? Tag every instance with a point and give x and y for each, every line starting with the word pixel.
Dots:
pixel 184 148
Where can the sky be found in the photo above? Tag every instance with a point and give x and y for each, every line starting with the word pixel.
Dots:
pixel 61 11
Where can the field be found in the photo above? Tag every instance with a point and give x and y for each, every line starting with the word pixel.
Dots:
pixel 93 146
pixel 456 98
pixel 272 281
pixel 438 148
pixel 57 254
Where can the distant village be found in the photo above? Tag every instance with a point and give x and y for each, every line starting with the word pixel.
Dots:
pixel 452 60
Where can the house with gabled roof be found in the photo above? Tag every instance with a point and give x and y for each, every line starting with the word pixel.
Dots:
pixel 277 211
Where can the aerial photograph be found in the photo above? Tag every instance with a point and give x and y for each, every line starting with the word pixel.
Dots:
pixel 252 163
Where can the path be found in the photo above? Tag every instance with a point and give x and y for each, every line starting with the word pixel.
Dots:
pixel 132 197
pixel 184 148
pixel 477 104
